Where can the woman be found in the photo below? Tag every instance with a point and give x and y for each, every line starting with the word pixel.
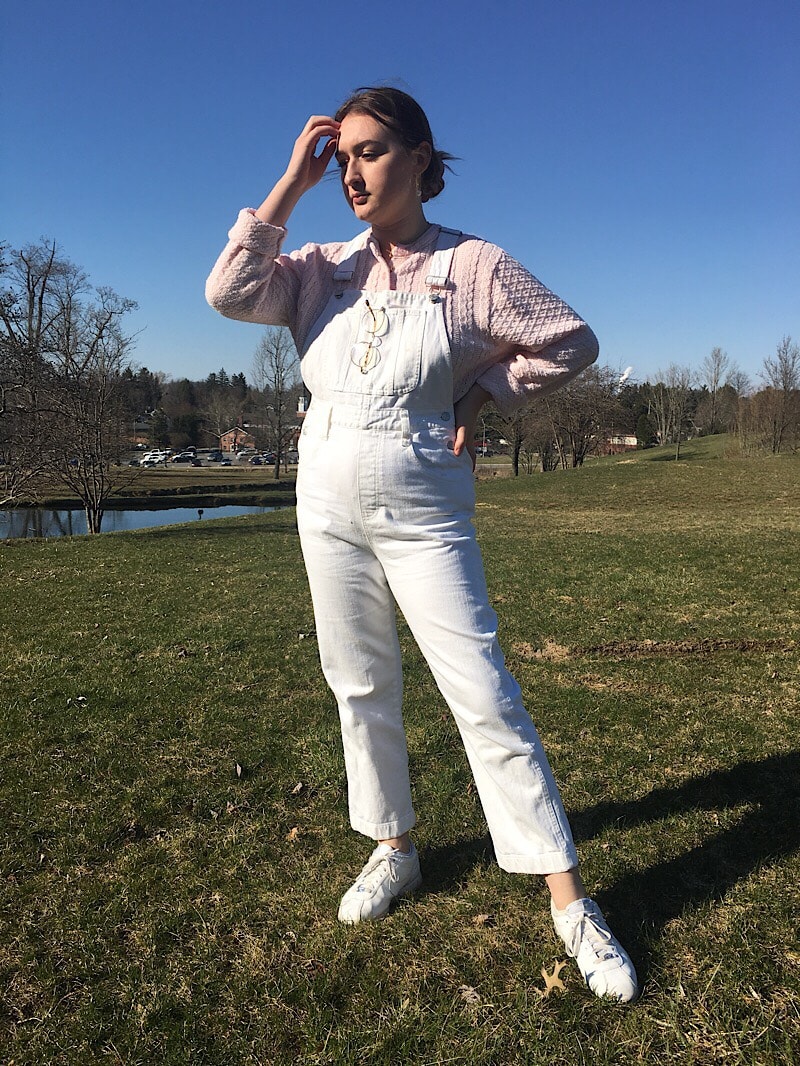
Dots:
pixel 404 334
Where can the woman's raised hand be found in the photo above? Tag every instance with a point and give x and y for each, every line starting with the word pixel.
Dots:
pixel 305 167
pixel 304 170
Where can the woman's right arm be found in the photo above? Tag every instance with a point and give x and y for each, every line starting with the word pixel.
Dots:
pixel 304 171
pixel 248 282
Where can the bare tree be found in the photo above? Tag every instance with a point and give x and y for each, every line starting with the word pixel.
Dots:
pixel 30 277
pixel 781 375
pixel 221 411
pixel 769 420
pixel 739 381
pixel 63 351
pixel 223 403
pixel 540 447
pixel 679 387
pixel 276 375
pixel 713 372
pixel 660 411
pixel 87 397
pixel 670 404
pixel 583 412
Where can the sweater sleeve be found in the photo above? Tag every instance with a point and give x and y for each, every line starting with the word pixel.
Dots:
pixel 251 281
pixel 538 342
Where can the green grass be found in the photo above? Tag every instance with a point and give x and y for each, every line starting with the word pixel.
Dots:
pixel 159 905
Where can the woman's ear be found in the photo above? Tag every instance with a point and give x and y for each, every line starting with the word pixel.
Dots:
pixel 421 156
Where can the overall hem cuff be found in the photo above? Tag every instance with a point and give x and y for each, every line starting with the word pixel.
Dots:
pixel 543 862
pixel 384 830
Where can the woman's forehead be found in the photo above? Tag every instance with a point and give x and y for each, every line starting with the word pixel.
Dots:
pixel 355 129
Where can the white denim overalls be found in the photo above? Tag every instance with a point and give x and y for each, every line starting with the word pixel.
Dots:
pixel 385 511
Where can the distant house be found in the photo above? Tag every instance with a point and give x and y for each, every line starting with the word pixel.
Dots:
pixel 232 440
pixel 616 443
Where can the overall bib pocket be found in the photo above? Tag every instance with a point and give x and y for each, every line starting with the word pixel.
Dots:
pixel 381 355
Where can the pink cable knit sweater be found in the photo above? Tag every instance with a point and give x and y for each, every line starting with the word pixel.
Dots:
pixel 507 331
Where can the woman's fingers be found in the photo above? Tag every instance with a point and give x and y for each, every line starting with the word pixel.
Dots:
pixel 325 155
pixel 305 166
pixel 316 121
pixel 317 127
pixel 462 441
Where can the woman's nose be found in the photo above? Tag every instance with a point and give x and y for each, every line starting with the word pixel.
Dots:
pixel 352 174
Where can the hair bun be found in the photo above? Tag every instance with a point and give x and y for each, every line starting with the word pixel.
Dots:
pixel 432 181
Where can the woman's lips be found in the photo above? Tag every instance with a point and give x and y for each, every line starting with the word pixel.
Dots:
pixel 359 197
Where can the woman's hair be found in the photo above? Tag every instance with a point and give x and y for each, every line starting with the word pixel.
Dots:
pixel 401 114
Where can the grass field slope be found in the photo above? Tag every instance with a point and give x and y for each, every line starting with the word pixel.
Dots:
pixel 173 810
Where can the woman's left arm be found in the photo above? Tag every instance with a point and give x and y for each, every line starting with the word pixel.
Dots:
pixel 538 342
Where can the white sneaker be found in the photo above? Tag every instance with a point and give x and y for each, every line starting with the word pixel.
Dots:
pixel 388 876
pixel 604 963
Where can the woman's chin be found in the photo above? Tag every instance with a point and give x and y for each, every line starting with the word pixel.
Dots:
pixel 361 210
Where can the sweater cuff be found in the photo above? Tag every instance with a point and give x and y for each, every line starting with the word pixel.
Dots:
pixel 257 236
pixel 507 391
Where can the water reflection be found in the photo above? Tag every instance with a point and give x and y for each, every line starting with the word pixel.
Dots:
pixel 47 522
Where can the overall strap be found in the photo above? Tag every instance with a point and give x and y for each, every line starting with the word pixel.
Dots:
pixel 348 258
pixel 442 260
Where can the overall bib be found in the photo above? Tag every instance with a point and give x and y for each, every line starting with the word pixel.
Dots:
pixel 384 510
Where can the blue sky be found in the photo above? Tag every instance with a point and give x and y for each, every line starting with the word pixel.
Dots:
pixel 641 158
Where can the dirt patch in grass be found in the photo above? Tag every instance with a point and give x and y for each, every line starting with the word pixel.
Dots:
pixel 552 651
pixel 632 649
pixel 638 649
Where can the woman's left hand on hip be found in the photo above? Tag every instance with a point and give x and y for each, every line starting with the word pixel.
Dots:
pixel 466 412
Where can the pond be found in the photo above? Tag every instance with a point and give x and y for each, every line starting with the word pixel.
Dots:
pixel 48 522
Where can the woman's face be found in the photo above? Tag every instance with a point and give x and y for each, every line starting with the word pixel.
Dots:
pixel 379 174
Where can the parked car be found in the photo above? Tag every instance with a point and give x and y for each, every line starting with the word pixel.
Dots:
pixel 186 457
pixel 155 457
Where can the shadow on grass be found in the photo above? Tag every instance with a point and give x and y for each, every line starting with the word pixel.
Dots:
pixel 448 865
pixel 644 902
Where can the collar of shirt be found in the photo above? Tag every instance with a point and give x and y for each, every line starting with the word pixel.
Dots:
pixel 426 242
